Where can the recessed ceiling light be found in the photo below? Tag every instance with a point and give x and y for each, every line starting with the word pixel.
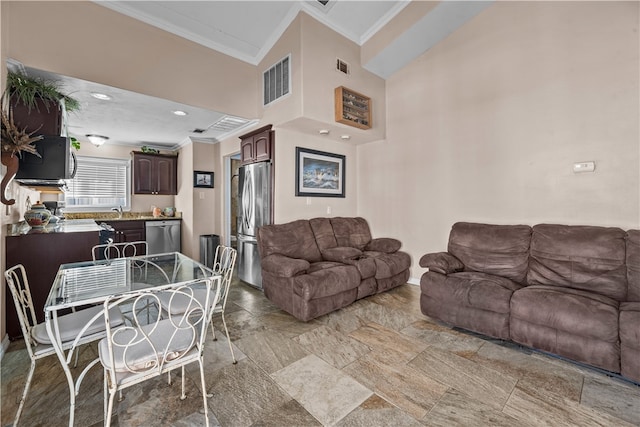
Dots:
pixel 180 113
pixel 101 96
pixel 323 132
pixel 345 137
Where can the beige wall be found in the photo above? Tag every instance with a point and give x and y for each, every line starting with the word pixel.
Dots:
pixel 84 40
pixel 486 126
pixel 199 206
pixel 321 47
pixel 288 207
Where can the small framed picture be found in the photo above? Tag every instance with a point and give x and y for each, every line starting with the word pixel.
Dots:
pixel 203 179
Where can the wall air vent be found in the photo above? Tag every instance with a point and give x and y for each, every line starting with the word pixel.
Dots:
pixel 276 80
pixel 342 66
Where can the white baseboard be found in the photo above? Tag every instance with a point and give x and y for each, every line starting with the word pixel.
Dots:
pixel 414 281
pixel 5 346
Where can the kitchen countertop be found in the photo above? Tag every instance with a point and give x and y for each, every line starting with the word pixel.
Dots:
pixel 126 216
pixel 85 222
pixel 66 226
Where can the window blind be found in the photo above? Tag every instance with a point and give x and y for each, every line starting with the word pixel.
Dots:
pixel 99 183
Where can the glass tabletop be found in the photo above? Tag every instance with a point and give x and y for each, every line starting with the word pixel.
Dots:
pixel 91 282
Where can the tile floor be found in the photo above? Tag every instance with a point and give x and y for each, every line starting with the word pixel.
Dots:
pixel 378 362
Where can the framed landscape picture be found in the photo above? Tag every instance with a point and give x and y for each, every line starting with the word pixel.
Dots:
pixel 319 174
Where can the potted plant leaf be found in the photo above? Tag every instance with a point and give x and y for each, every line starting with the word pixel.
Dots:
pixel 13 142
pixel 36 104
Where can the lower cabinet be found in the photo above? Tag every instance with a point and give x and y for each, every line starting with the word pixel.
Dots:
pixel 128 231
pixel 41 255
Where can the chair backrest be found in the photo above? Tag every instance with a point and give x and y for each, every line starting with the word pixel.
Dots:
pixel 16 278
pixel 223 264
pixel 145 346
pixel 119 250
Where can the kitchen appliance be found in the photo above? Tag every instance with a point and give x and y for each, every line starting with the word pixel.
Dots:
pixel 254 211
pixel 57 162
pixel 55 207
pixel 163 236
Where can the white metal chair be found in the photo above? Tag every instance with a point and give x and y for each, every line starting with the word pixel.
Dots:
pixel 75 328
pixel 119 250
pixel 138 351
pixel 223 264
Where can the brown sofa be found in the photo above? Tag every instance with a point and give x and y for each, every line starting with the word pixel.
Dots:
pixel 573 291
pixel 313 267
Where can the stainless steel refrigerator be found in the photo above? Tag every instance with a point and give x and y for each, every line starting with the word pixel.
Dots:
pixel 254 210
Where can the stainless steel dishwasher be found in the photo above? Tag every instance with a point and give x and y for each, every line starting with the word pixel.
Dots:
pixel 163 236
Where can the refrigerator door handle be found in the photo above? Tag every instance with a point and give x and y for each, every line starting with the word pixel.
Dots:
pixel 247 201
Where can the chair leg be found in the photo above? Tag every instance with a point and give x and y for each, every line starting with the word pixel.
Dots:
pixel 182 395
pixel 25 392
pixel 107 417
pixel 224 323
pixel 205 395
pixel 213 331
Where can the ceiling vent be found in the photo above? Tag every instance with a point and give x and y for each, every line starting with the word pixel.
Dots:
pixel 276 80
pixel 342 66
pixel 322 5
pixel 229 123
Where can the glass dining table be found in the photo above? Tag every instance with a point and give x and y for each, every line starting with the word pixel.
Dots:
pixel 91 282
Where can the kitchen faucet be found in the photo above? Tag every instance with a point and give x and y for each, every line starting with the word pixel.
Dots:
pixel 119 210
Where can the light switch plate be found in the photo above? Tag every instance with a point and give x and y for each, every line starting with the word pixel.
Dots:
pixel 580 167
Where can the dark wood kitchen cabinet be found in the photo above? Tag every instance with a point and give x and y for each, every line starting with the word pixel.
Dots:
pixel 257 146
pixel 155 174
pixel 41 255
pixel 129 231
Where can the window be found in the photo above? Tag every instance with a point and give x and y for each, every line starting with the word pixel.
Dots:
pixel 100 184
pixel 276 81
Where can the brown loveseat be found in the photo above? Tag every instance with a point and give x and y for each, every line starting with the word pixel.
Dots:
pixel 573 291
pixel 313 267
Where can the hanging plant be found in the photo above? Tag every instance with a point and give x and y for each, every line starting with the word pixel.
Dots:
pixel 27 90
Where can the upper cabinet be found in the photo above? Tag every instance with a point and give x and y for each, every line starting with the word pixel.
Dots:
pixel 257 146
pixel 155 174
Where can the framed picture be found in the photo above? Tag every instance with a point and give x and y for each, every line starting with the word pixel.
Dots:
pixel 203 179
pixel 319 174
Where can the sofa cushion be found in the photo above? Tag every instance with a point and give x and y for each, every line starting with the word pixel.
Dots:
pixel 326 282
pixel 633 265
pixel 578 312
pixel 471 300
pixel 471 289
pixel 388 265
pixel 580 257
pixel 323 231
pixel 352 232
pixel 384 244
pixel 294 239
pixel 500 250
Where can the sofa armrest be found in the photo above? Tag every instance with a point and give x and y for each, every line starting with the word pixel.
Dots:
pixel 284 266
pixel 385 245
pixel 441 262
pixel 341 254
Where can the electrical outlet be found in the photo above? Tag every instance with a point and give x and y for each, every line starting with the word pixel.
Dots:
pixel 201 195
pixel 328 210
